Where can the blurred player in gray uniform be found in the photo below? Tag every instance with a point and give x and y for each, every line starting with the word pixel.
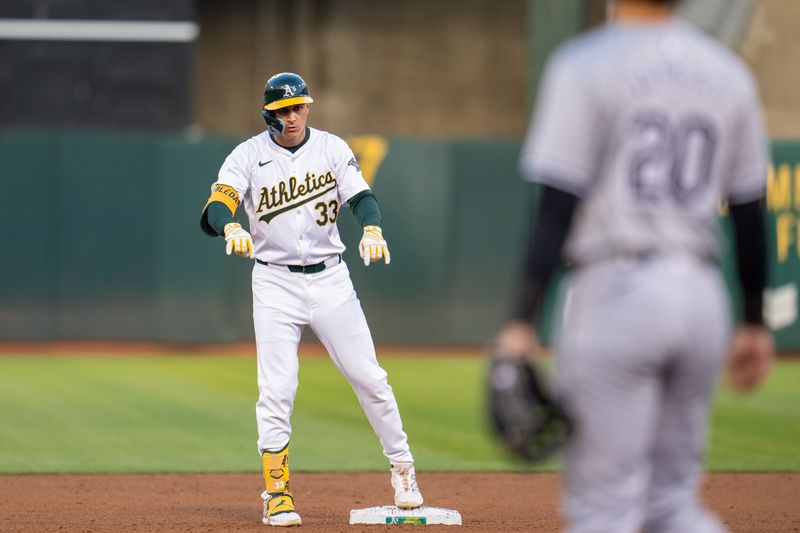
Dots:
pixel 641 129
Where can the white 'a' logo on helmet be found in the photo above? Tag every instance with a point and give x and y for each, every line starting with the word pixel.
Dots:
pixel 288 91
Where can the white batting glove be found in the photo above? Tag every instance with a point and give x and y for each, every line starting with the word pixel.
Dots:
pixel 373 247
pixel 239 242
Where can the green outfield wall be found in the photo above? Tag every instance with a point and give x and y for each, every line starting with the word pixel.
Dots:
pixel 104 240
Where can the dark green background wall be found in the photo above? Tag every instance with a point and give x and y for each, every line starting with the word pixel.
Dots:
pixel 103 240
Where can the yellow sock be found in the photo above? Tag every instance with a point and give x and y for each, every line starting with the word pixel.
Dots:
pixel 276 471
pixel 276 480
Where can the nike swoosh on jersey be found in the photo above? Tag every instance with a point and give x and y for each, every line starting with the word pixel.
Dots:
pixel 262 164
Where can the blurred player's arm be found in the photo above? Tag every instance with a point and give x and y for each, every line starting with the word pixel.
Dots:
pixel 751 258
pixel 217 219
pixel 752 347
pixel 373 246
pixel 560 153
pixel 548 233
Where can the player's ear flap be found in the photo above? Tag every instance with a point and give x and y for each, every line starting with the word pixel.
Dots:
pixel 275 125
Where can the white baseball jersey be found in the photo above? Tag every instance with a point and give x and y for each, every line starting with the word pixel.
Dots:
pixel 292 200
pixel 659 123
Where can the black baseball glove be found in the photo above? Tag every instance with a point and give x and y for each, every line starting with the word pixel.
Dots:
pixel 530 422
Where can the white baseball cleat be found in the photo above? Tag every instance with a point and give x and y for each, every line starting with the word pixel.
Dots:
pixel 404 482
pixel 283 513
pixel 284 520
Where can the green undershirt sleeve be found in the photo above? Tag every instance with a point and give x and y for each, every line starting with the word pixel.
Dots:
pixel 215 216
pixel 365 207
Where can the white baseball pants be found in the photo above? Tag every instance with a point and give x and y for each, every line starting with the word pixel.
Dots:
pixel 284 303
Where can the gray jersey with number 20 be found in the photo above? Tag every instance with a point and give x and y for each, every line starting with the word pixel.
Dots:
pixel 652 127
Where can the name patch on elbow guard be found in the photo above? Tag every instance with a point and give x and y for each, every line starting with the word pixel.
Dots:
pixel 225 194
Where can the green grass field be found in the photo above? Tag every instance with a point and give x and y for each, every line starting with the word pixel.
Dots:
pixel 180 413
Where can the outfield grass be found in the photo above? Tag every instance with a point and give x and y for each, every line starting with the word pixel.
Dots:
pixel 189 414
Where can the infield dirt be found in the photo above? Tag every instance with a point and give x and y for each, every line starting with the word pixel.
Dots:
pixel 497 502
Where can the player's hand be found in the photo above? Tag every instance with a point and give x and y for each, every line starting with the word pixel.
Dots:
pixel 750 356
pixel 517 339
pixel 239 242
pixel 373 247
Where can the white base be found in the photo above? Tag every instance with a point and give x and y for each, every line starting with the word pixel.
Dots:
pixel 389 514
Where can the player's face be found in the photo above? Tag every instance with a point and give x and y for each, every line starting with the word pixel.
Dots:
pixel 294 119
pixel 617 10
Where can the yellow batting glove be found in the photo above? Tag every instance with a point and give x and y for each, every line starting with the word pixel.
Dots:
pixel 239 242
pixel 373 247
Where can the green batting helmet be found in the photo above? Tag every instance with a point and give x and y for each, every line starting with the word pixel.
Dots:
pixel 284 90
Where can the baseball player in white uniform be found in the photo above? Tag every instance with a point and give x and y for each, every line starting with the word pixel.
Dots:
pixel 293 181
pixel 641 128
